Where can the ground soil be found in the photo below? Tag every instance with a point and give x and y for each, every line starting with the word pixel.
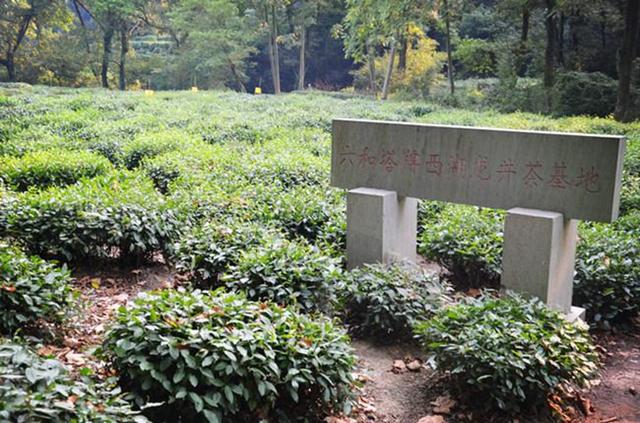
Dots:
pixel 387 395
pixel 617 398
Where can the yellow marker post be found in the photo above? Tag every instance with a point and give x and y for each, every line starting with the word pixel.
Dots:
pixel 148 92
pixel 194 89
pixel 258 90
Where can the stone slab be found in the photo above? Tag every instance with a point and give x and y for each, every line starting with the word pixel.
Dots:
pixel 576 175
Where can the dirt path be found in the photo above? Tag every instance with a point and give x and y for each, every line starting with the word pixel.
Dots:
pixel 617 396
pixel 395 397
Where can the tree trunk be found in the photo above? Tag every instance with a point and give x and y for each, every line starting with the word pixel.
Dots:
pixel 303 50
pixel 236 76
pixel 402 55
pixel 387 78
pixel 449 58
pixel 560 49
pixel 371 61
pixel 625 61
pixel 106 56
pixel 275 55
pixel 524 32
pixel 124 49
pixel 550 48
pixel 10 64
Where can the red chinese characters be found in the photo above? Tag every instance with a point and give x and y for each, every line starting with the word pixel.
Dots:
pixel 532 177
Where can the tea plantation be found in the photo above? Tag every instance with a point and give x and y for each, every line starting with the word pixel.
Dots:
pixel 232 192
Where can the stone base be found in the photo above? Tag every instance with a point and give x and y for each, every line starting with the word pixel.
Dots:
pixel 381 227
pixel 576 313
pixel 538 256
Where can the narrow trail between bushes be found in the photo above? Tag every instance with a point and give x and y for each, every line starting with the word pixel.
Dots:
pixel 392 392
pixel 617 397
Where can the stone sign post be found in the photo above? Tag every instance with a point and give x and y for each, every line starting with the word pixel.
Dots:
pixel 546 181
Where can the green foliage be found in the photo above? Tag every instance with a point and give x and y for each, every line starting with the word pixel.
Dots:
pixel 91 219
pixel 50 167
pixel 31 290
pixel 384 301
pixel 40 389
pixel 467 241
pixel 607 280
pixel 286 272
pixel 208 249
pixel 508 353
pixel 215 356
pixel 148 146
pixel 477 57
pixel 579 93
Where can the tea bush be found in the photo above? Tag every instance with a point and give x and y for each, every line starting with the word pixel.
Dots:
pixel 607 280
pixel 467 241
pixel 208 249
pixel 508 353
pixel 384 301
pixel 31 289
pixel 215 356
pixel 50 167
pixel 119 214
pixel 149 145
pixel 286 272
pixel 40 389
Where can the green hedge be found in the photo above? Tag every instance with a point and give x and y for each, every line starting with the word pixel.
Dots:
pixel 31 290
pixel 508 353
pixel 208 249
pixel 384 301
pixel 215 356
pixel 42 169
pixel 115 215
pixel 286 272
pixel 37 389
pixel 607 281
pixel 467 242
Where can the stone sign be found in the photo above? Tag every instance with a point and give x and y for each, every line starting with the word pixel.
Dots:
pixel 576 175
pixel 547 181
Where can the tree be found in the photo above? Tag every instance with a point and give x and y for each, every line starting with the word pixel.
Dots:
pixel 19 20
pixel 267 12
pixel 115 16
pixel 306 12
pixel 215 38
pixel 627 54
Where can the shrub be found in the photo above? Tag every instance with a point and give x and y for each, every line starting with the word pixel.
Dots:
pixel 148 146
pixel 305 212
pixel 607 280
pixel 208 249
pixel 630 194
pixel 50 167
pixel 477 57
pixel 580 93
pixel 31 289
pixel 467 241
pixel 384 301
pixel 110 149
pixel 508 352
pixel 115 214
pixel 40 389
pixel 285 272
pixel 216 356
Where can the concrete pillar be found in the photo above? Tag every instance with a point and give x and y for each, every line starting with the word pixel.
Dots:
pixel 539 257
pixel 380 226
